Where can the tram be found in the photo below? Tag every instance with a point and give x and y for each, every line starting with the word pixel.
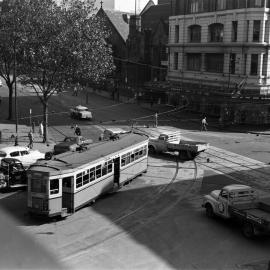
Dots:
pixel 69 181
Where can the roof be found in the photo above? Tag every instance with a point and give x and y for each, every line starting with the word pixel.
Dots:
pixel 14 148
pixel 147 6
pixel 236 187
pixel 118 21
pixel 65 162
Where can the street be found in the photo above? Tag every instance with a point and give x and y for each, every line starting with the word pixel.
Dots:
pixel 155 222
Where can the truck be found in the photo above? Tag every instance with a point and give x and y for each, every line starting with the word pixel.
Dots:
pixel 12 174
pixel 168 140
pixel 242 204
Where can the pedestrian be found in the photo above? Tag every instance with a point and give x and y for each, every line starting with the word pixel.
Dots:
pixel 77 131
pixel 204 124
pixel 41 129
pixel 31 139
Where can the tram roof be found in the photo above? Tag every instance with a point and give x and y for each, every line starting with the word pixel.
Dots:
pixel 71 160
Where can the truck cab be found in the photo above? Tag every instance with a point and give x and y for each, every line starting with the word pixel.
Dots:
pixel 218 202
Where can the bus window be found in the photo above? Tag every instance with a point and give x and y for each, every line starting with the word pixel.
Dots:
pixel 79 180
pixel 92 174
pixel 67 181
pixel 54 186
pixel 98 171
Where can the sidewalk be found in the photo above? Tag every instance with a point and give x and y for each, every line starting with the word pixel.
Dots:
pixel 8 132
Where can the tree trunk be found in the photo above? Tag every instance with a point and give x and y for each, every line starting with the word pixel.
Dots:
pixel 10 102
pixel 45 121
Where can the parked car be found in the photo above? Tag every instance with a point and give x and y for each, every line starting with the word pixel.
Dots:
pixel 81 112
pixel 22 153
pixel 75 143
pixel 12 174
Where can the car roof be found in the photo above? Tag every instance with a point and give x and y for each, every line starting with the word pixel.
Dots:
pixel 9 149
pixel 116 130
pixel 80 107
pixel 235 187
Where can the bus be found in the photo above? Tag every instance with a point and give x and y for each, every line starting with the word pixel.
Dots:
pixel 69 181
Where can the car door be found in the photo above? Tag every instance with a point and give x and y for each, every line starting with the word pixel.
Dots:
pixel 222 207
pixel 25 157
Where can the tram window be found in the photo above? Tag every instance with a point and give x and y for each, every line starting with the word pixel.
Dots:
pixel 145 150
pixel 131 157
pixel 54 186
pixel 128 158
pixel 110 166
pixel 104 169
pixel 67 181
pixel 136 155
pixel 86 178
pixel 38 185
pixel 98 171
pixel 92 174
pixel 123 161
pixel 141 152
pixel 79 180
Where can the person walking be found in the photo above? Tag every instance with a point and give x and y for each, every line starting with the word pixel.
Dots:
pixel 31 139
pixel 77 131
pixel 204 124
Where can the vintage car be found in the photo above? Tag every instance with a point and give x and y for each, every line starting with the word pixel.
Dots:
pixel 12 174
pixel 81 112
pixel 22 153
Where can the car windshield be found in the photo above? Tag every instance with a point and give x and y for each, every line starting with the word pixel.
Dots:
pixel 69 139
pixel 2 154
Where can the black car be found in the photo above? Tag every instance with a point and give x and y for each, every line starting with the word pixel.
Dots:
pixel 12 173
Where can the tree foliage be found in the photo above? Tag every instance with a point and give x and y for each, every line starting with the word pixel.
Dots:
pixel 63 45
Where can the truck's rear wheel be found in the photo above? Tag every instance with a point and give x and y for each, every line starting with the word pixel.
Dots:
pixel 151 150
pixel 248 230
pixel 209 210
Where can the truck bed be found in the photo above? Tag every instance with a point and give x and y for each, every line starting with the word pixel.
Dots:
pixel 192 146
pixel 254 211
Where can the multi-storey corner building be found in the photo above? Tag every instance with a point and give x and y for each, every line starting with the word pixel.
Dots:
pixel 221 47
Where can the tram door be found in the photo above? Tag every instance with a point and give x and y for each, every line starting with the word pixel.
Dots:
pixel 116 162
pixel 67 194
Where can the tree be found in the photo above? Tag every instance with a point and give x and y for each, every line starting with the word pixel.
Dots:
pixel 11 37
pixel 63 45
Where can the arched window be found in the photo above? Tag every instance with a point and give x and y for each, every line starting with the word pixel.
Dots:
pixel 195 33
pixel 216 31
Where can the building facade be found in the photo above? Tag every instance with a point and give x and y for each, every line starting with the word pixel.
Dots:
pixel 221 48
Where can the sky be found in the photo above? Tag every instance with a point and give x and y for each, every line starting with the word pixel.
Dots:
pixel 129 5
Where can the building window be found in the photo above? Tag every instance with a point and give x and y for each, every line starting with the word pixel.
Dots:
pixel 176 34
pixel 232 63
pixel 264 67
pixel 221 4
pixel 258 3
pixel 194 6
pixel 175 61
pixel 234 31
pixel 194 61
pixel 195 33
pixel 256 31
pixel 214 62
pixel 254 64
pixel 216 32
pixel 211 5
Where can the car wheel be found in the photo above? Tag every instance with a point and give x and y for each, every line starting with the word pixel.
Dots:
pixel 151 150
pixel 248 230
pixel 209 210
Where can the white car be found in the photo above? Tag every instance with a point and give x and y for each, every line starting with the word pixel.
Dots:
pixel 22 153
pixel 80 112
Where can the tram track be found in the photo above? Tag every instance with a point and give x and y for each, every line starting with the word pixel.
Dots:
pixel 241 169
pixel 129 223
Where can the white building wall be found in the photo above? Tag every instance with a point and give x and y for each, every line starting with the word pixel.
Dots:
pixel 243 46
